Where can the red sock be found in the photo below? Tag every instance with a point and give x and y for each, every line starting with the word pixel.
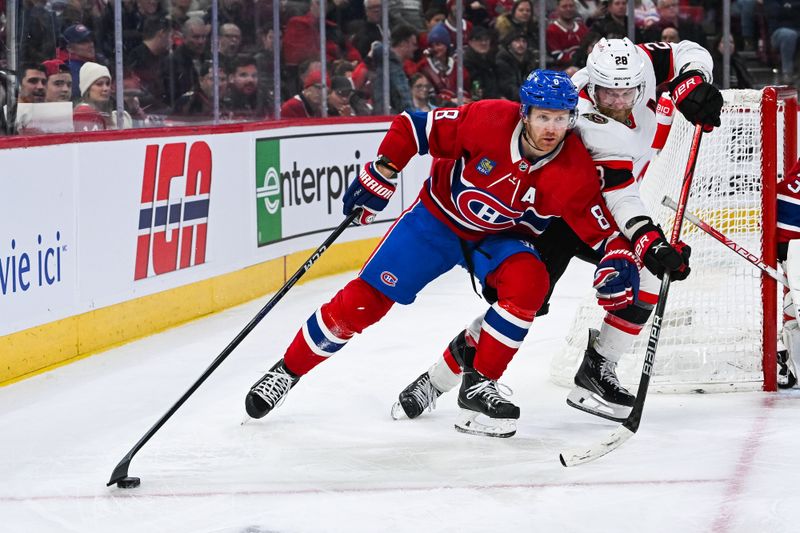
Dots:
pixel 354 308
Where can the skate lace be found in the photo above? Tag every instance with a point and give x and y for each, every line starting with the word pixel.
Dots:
pixel 608 374
pixel 425 394
pixel 493 391
pixel 273 387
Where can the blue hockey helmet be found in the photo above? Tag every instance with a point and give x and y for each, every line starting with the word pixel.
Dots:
pixel 549 89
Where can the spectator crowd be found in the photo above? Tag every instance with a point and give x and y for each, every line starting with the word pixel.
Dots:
pixel 66 50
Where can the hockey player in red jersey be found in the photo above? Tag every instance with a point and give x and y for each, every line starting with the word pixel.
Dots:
pixel 486 196
pixel 789 258
pixel 617 123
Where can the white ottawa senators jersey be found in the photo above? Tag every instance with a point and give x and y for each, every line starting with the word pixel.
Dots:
pixel 622 150
pixel 481 183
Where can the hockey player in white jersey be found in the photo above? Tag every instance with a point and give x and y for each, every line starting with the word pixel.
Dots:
pixel 617 122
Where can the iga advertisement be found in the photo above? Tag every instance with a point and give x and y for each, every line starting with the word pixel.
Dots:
pixel 175 206
pixel 300 181
pixel 173 221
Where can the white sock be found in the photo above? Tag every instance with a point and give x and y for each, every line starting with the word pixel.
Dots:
pixel 616 337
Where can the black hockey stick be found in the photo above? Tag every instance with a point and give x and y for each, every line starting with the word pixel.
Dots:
pixel 729 243
pixel 120 473
pixel 631 423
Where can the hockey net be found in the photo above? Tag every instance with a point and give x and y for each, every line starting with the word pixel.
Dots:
pixel 720 326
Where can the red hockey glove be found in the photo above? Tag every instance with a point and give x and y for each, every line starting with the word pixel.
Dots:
pixel 616 280
pixel 699 101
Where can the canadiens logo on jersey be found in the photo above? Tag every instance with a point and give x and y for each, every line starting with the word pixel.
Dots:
pixel 485 211
pixel 594 117
pixel 485 166
pixel 388 278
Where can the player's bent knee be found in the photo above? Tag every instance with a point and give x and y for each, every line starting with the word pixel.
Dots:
pixel 522 284
pixel 355 307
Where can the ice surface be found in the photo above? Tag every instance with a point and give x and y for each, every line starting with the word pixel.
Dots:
pixel 331 458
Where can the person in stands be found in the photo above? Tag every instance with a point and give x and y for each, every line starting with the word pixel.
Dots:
pixel 94 111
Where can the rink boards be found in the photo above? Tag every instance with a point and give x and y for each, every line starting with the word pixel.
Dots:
pixel 109 237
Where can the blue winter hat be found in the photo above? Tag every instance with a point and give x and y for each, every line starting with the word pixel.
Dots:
pixel 439 34
pixel 77 33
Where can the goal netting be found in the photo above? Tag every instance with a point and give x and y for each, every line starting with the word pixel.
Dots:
pixel 720 324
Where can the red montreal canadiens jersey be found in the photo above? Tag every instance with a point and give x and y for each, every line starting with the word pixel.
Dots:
pixel 480 183
pixel 789 206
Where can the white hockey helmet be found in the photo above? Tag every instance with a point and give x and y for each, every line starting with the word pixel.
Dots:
pixel 615 64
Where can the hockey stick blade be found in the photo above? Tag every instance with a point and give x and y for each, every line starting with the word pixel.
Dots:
pixel 578 456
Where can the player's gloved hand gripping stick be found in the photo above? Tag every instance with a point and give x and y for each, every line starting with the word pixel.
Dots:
pixel 699 101
pixel 616 280
pixel 658 256
pixel 371 191
pixel 120 473
pixel 631 424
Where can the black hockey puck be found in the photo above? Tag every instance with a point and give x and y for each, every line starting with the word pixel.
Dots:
pixel 129 482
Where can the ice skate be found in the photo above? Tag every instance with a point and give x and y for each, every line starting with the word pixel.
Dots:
pixel 788 348
pixel 787 375
pixel 483 410
pixel 420 395
pixel 269 391
pixel 597 388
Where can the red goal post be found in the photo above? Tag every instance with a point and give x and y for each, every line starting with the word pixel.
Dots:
pixel 780 146
pixel 721 324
